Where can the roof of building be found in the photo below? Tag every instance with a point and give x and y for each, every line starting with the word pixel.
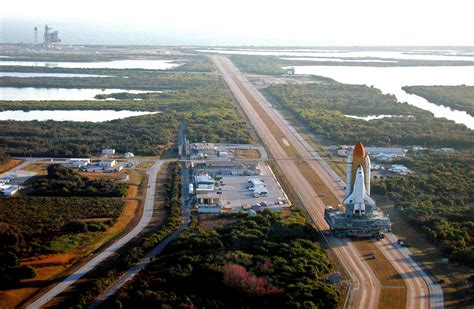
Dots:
pixel 204 179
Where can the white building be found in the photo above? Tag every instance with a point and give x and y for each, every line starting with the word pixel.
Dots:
pixel 342 153
pixel 381 157
pixel 204 183
pixel 107 163
pixel 9 190
pixel 108 151
pixel 77 162
pixel 129 155
pixel 399 169
pixel 391 151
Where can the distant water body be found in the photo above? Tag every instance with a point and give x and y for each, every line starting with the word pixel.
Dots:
pixel 70 115
pixel 390 80
pixel 313 55
pixel 28 74
pixel 116 64
pixel 51 94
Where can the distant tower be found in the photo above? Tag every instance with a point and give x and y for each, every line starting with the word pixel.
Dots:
pixel 36 35
pixel 50 37
pixel 46 36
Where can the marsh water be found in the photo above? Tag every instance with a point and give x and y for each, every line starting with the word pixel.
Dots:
pixel 390 80
pixel 31 74
pixel 69 115
pixel 51 94
pixel 116 64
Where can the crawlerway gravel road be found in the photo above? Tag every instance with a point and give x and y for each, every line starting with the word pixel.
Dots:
pixel 365 291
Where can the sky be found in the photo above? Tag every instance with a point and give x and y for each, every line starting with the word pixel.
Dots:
pixel 243 22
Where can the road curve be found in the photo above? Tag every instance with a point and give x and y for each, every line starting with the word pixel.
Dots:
pixel 133 271
pixel 144 220
pixel 365 290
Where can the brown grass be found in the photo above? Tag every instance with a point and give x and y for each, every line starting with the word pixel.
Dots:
pixel 394 291
pixel 145 164
pixel 318 185
pixel 393 297
pixel 247 154
pixel 271 125
pixel 9 165
pixel 38 168
pixel 94 175
pixel 382 268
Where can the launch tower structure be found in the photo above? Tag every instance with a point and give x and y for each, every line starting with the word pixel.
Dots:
pixel 50 37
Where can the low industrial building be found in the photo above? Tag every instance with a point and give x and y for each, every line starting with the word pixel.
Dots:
pixel 76 162
pixel 224 183
pixel 228 167
pixel 8 190
pixel 107 163
pixel 381 157
pixel 392 151
pixel 399 169
pixel 108 151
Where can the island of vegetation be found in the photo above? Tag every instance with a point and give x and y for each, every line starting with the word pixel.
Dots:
pixel 456 97
pixel 324 106
pixel 273 65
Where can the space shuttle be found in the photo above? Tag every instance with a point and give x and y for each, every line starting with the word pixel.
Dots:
pixel 358 200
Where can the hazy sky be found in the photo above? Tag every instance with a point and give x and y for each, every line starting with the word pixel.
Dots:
pixel 247 22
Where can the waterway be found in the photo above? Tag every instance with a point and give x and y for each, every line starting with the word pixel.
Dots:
pixel 390 80
pixel 374 54
pixel 28 74
pixel 69 115
pixel 50 94
pixel 116 64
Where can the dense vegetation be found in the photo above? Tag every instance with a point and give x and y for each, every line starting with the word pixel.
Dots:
pixel 146 135
pixel 62 181
pixel 439 200
pixel 133 252
pixel 323 106
pixel 145 80
pixel 42 219
pixel 456 97
pixel 10 269
pixel 265 261
pixel 258 64
pixel 61 204
pixel 4 157
pixel 272 65
pixel 208 111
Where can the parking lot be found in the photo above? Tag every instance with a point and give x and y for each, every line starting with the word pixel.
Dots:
pixel 236 193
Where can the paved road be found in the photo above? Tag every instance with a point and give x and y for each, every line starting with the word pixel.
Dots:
pixel 366 286
pixel 132 272
pixel 144 220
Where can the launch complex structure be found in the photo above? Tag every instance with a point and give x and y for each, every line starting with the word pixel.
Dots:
pixel 357 215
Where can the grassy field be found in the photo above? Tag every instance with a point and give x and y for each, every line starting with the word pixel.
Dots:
pixel 72 248
pixel 9 165
pixel 247 154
